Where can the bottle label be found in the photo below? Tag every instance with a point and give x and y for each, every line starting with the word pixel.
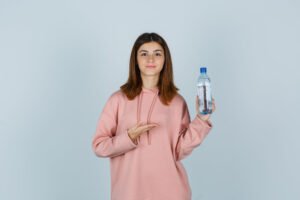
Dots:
pixel 205 99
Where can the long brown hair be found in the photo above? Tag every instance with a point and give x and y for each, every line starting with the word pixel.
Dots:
pixel 166 86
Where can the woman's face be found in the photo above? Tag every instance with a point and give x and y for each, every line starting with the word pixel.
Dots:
pixel 150 59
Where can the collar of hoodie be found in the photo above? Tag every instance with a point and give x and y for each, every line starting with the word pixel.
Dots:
pixel 155 91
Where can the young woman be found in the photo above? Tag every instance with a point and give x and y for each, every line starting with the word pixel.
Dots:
pixel 145 128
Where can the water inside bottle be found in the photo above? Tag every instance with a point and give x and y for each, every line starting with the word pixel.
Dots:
pixel 205 99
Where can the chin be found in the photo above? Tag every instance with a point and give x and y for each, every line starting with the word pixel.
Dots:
pixel 151 74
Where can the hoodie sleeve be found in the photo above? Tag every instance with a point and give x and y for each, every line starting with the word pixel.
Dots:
pixel 105 142
pixel 191 134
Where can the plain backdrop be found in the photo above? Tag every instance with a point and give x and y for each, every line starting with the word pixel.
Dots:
pixel 60 60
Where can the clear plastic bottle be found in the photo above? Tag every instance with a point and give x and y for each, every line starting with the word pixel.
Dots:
pixel 204 92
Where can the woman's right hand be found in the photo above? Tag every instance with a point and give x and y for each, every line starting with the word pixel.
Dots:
pixel 137 130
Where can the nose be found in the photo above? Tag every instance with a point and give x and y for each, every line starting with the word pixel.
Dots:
pixel 150 57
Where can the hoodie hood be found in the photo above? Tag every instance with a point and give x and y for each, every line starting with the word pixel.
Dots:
pixel 155 92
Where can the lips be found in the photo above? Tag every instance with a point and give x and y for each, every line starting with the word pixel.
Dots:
pixel 150 66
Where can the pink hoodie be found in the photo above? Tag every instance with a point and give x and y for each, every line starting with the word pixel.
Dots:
pixel 150 170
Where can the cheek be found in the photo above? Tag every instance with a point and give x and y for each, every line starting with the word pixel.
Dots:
pixel 140 61
pixel 161 62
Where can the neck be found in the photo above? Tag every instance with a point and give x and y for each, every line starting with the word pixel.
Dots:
pixel 150 82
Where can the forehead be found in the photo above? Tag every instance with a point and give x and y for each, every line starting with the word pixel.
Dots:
pixel 151 46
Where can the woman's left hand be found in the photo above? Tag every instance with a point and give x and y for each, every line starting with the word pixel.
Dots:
pixel 207 116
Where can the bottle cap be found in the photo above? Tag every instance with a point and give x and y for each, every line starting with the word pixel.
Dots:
pixel 203 70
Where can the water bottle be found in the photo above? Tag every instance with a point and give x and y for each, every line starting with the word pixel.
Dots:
pixel 204 92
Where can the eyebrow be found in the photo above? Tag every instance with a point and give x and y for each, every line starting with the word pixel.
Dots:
pixel 153 51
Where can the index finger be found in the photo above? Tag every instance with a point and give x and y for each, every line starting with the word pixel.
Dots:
pixel 150 125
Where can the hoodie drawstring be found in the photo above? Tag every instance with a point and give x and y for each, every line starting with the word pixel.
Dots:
pixel 138 109
pixel 140 98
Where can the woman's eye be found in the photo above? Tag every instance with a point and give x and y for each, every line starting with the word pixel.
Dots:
pixel 143 54
pixel 158 54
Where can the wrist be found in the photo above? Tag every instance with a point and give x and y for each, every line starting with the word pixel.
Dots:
pixel 202 117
